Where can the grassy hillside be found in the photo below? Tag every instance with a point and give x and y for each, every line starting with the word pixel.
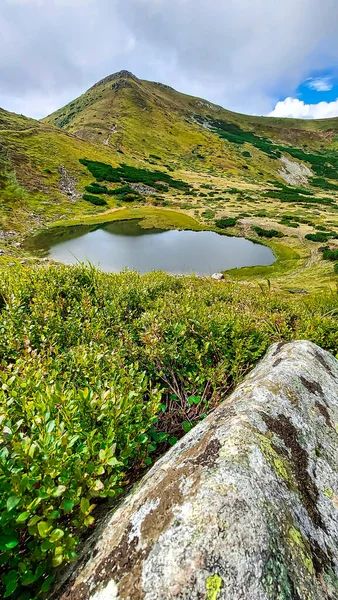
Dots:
pixel 124 143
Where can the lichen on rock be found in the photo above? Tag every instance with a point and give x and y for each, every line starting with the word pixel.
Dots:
pixel 244 506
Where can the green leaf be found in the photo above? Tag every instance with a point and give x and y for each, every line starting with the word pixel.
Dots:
pixel 12 502
pixel 10 588
pixel 57 534
pixel 173 440
pixel 47 585
pixel 68 505
pixel 43 529
pixel 186 426
pixel 194 400
pixel 13 543
pixel 59 491
pixel 57 560
pixel 84 505
pixel 50 426
pixel 23 517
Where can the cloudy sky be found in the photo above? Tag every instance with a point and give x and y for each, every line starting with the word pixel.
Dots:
pixel 276 57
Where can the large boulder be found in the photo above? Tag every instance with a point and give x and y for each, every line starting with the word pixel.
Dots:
pixel 244 507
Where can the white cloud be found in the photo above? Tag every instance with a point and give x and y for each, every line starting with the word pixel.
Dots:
pixel 320 84
pixel 238 53
pixel 292 107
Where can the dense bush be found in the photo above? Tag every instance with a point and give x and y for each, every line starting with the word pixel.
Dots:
pixel 267 233
pixel 329 254
pixel 104 172
pixel 224 223
pixel 100 373
pixel 95 188
pixel 322 236
pixel 94 200
pixel 323 183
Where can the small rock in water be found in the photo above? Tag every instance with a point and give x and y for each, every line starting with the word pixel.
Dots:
pixel 218 276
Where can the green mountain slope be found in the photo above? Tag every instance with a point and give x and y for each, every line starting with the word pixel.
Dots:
pixel 130 148
pixel 143 118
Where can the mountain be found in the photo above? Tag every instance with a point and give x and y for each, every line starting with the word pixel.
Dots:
pixel 258 177
pixel 144 119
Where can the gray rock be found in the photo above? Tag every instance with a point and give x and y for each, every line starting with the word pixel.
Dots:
pixel 217 276
pixel 244 507
pixel 67 184
pixel 294 173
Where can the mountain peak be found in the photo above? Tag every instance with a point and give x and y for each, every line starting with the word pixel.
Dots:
pixel 115 76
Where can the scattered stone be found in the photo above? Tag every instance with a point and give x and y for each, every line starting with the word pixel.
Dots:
pixel 244 506
pixel 208 105
pixel 4 234
pixel 296 291
pixel 122 83
pixel 67 184
pixel 114 77
pixel 217 276
pixel 294 173
pixel 143 189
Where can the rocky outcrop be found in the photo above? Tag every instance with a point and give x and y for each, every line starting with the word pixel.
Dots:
pixel 121 75
pixel 244 507
pixel 67 184
pixel 294 173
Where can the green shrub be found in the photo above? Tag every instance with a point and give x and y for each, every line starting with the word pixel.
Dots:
pixel 289 223
pixel 322 183
pixel 208 214
pixel 224 223
pixel 95 188
pixel 94 200
pixel 329 254
pixel 267 233
pixel 320 237
pixel 99 375
pixel 104 172
pixel 125 189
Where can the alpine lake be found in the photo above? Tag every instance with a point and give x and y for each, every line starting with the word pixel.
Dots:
pixel 118 245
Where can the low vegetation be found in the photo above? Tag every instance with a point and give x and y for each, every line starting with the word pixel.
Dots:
pixel 126 173
pixel 224 223
pixel 267 233
pixel 96 200
pixel 100 374
pixel 322 236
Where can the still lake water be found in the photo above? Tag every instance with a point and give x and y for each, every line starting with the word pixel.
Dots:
pixel 115 246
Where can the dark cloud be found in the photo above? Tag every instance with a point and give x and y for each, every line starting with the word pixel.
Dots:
pixel 243 54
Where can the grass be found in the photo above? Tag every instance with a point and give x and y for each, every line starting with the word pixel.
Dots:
pixel 101 373
pixel 160 218
pixel 287 260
